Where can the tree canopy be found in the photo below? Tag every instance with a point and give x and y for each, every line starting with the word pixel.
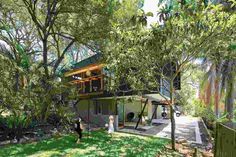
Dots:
pixel 142 55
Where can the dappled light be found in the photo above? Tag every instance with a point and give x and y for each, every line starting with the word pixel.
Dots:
pixel 164 70
pixel 97 144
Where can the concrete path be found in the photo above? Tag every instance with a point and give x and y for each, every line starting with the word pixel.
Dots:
pixel 186 128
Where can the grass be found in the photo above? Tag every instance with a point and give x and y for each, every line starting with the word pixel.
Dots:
pixel 98 144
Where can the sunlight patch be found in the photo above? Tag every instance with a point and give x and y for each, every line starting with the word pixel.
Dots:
pixel 45 154
pixel 129 135
pixel 80 151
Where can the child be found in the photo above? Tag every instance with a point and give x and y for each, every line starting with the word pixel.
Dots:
pixel 78 129
pixel 111 125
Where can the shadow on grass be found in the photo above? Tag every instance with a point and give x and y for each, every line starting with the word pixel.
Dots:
pixel 98 144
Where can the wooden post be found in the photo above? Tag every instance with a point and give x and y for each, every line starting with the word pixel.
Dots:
pixel 116 115
pixel 155 111
pixel 172 117
pixel 141 109
pixel 123 112
pixel 140 116
pixel 102 83
pixel 88 117
pixel 116 107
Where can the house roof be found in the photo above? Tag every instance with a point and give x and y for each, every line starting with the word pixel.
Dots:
pixel 88 61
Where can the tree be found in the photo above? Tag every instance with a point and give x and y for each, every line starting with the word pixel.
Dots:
pixel 218 60
pixel 144 56
pixel 62 23
pixel 59 24
pixel 19 37
pixel 216 80
pixel 230 90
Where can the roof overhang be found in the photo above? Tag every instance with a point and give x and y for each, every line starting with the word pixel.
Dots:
pixel 151 97
pixel 135 97
pixel 157 98
pixel 84 69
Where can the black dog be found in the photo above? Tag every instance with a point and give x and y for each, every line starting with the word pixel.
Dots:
pixel 78 129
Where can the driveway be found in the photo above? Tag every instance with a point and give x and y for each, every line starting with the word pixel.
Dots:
pixel 186 128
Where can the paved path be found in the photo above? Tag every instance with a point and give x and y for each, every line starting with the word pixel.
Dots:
pixel 186 127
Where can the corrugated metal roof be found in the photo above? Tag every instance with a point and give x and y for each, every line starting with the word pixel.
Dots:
pixel 88 61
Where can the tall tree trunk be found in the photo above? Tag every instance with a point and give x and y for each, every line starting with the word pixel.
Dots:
pixel 229 100
pixel 216 98
pixel 172 114
pixel 17 78
pixel 45 57
pixel 45 79
pixel 217 90
pixel 208 94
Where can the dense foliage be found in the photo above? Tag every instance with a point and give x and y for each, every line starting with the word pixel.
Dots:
pixel 142 56
pixel 38 38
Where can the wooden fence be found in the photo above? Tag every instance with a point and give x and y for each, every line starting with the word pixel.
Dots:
pixel 225 140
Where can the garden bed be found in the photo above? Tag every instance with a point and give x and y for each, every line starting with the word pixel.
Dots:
pixel 39 132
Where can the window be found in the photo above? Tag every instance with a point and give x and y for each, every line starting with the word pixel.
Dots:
pixel 96 85
pixel 97 108
pixel 104 108
pixel 87 87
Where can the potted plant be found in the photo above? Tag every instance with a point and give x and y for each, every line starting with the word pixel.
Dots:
pixel 149 122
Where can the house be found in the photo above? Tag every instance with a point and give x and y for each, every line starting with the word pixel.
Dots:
pixel 97 102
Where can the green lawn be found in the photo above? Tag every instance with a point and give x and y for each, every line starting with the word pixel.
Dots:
pixel 98 144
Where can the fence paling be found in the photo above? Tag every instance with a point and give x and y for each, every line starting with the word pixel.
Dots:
pixel 225 141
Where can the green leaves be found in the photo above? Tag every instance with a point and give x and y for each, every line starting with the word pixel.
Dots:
pixel 186 35
pixel 232 47
pixel 149 14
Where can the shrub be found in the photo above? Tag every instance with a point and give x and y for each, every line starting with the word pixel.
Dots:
pixel 188 109
pixel 224 117
pixel 13 126
pixel 209 117
pixel 54 119
pixel 208 114
pixel 149 122
pixel 2 123
pixel 198 108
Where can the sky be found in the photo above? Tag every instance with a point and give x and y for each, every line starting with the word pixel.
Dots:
pixel 151 6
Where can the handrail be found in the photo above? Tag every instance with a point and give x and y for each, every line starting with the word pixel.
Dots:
pixel 87 79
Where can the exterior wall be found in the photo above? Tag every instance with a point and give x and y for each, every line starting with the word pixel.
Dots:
pixel 150 110
pixel 134 106
pixel 159 111
pixel 97 119
pixel 101 119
